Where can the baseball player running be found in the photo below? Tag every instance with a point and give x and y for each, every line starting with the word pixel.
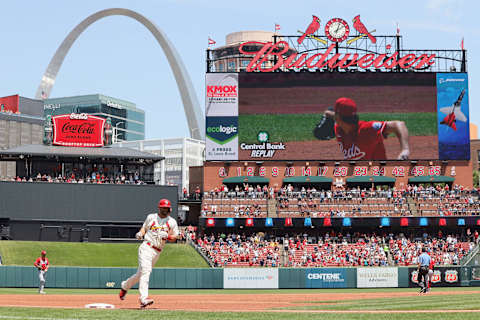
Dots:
pixel 42 265
pixel 360 140
pixel 156 230
pixel 423 263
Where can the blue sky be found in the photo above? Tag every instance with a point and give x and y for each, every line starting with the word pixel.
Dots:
pixel 117 56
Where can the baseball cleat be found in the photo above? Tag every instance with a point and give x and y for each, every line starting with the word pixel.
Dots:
pixel 42 292
pixel 122 294
pixel 145 303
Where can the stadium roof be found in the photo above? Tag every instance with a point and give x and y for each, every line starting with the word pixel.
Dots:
pixel 431 179
pixel 249 179
pixel 308 179
pixel 39 151
pixel 371 179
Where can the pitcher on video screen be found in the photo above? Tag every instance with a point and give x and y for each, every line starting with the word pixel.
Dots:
pixel 360 140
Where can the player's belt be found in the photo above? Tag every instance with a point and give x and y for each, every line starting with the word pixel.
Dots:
pixel 153 247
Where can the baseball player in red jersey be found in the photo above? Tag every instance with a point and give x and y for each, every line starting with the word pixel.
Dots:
pixel 431 269
pixel 156 230
pixel 42 265
pixel 363 140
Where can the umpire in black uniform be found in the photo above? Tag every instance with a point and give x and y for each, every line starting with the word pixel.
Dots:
pixel 423 263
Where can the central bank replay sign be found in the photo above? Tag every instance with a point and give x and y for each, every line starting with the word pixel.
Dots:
pixel 325 278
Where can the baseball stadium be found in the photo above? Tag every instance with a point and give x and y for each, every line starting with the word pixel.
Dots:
pixel 339 181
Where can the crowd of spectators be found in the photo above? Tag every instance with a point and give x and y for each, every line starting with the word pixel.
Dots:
pixel 353 202
pixel 96 178
pixel 236 250
pixel 332 249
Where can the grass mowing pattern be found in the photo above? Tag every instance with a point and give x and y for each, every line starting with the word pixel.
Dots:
pixel 96 254
pixel 115 314
pixel 423 302
pixel 299 127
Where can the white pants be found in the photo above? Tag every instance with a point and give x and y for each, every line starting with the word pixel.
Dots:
pixel 430 275
pixel 41 276
pixel 147 257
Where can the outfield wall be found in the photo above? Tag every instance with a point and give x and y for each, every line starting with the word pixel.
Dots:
pixel 240 278
pixel 77 212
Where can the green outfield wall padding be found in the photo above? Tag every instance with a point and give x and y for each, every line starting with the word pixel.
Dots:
pixel 98 278
pixel 403 277
pixel 289 278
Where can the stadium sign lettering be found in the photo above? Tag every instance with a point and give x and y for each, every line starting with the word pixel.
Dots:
pixel 325 276
pixel 321 60
pixel 221 91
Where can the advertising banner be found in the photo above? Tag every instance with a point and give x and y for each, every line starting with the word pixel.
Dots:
pixel 453 116
pixel 250 278
pixel 222 138
pixel 326 278
pixel 442 276
pixel 373 277
pixel 221 95
pixel 9 103
pixel 78 130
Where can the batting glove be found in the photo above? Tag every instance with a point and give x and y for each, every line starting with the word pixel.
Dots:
pixel 139 236
pixel 163 235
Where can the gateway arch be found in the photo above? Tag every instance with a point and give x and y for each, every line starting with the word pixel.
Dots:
pixel 191 106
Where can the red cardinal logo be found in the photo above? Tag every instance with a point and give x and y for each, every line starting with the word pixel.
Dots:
pixel 312 28
pixel 360 27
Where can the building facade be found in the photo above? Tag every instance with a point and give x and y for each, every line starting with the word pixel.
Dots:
pixel 128 121
pixel 179 153
pixel 228 58
pixel 17 130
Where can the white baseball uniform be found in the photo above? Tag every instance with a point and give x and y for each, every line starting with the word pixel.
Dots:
pixel 42 266
pixel 149 251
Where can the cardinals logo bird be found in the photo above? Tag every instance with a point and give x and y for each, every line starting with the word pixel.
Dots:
pixel 360 27
pixel 312 28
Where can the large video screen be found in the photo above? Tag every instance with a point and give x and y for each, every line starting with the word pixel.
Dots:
pixel 337 116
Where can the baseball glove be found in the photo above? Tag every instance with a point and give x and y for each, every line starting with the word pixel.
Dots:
pixel 324 130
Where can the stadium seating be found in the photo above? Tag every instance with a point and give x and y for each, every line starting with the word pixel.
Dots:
pixel 291 202
pixel 325 251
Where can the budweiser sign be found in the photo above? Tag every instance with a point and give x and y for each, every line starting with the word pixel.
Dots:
pixel 78 130
pixel 328 59
pixel 336 30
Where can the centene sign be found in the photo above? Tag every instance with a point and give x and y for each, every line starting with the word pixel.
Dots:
pixel 321 60
pixel 325 276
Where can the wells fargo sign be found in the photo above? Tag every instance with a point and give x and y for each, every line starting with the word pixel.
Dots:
pixel 78 130
pixel 336 30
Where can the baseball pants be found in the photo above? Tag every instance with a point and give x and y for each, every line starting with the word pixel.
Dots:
pixel 423 277
pixel 41 276
pixel 429 277
pixel 147 257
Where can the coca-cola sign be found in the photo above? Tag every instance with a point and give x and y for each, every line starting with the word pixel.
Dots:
pixel 78 130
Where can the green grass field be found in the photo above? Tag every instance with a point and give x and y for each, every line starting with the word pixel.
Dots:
pixel 299 127
pixel 24 253
pixel 362 307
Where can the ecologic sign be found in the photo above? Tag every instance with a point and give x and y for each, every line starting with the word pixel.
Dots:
pixel 326 278
pixel 222 138
pixel 222 129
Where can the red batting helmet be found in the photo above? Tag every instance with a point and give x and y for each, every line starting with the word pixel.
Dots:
pixel 44 252
pixel 164 203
